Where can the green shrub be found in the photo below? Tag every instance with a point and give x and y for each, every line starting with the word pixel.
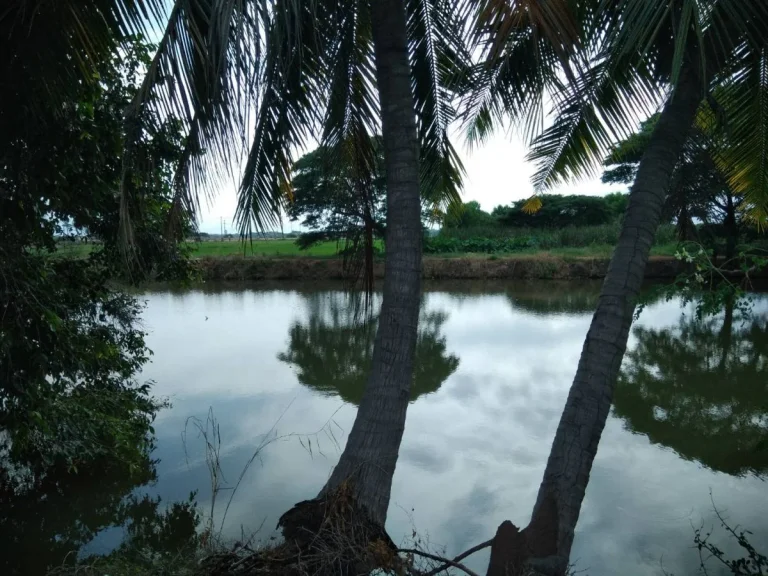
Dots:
pixel 666 234
pixel 469 215
pixel 588 235
pixel 481 232
pixel 499 239
pixel 443 245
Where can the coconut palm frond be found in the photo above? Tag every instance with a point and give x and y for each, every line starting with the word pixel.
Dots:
pixel 290 109
pixel 440 62
pixel 228 82
pixel 49 48
pixel 743 99
pixel 624 74
pixel 735 20
pixel 349 128
pixel 604 105
pixel 353 104
pixel 523 47
pixel 202 74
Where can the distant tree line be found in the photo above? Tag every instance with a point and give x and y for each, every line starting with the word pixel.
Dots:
pixel 326 200
pixel 556 211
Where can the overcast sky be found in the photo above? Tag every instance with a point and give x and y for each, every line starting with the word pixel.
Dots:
pixel 497 173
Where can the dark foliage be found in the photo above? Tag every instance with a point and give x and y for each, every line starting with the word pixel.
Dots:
pixel 60 177
pixel 698 193
pixel 491 240
pixel 567 298
pixel 617 203
pixel 69 350
pixel 70 343
pixel 45 528
pixel 753 563
pixel 560 211
pixel 444 245
pixel 468 215
pixel 338 200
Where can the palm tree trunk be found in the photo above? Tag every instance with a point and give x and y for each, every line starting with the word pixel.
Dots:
pixel 369 249
pixel 725 337
pixel 545 544
pixel 367 465
pixel 731 230
pixel 370 455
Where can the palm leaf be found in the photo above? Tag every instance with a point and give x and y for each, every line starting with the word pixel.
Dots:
pixel 439 62
pixel 200 74
pixel 744 157
pixel 351 120
pixel 319 71
pixel 522 44
pixel 603 106
pixel 353 106
pixel 623 71
pixel 51 47
pixel 299 36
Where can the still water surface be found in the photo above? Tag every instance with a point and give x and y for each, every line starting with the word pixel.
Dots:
pixel 494 364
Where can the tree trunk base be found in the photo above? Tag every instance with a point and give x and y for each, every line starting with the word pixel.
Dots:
pixel 329 535
pixel 531 551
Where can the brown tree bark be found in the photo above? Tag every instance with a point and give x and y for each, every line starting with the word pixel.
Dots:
pixel 367 464
pixel 545 544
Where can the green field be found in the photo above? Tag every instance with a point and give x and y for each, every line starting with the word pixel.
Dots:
pixel 288 249
pixel 264 248
pixel 261 248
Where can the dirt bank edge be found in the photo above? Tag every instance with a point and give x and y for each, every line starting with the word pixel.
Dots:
pixel 462 268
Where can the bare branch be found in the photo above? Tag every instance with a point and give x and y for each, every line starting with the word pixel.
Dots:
pixel 460 557
pixel 438 559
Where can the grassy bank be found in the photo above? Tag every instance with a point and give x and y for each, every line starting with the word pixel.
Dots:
pixel 594 251
pixel 540 266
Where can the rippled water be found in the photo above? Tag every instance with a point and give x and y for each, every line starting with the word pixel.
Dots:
pixel 494 364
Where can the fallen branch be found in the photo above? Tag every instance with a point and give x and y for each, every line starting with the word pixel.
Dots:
pixel 460 557
pixel 445 561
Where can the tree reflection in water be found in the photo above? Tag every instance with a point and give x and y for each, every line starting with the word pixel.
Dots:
pixel 556 297
pixel 701 388
pixel 47 526
pixel 332 350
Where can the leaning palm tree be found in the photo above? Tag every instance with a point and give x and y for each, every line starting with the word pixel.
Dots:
pixel 325 77
pixel 632 55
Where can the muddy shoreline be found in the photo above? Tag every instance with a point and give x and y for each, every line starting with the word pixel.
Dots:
pixel 545 267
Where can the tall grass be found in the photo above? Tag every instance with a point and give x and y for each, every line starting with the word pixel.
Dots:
pixel 547 238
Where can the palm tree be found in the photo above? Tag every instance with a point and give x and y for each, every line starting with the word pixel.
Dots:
pixel 371 452
pixel 629 51
pixel 325 75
